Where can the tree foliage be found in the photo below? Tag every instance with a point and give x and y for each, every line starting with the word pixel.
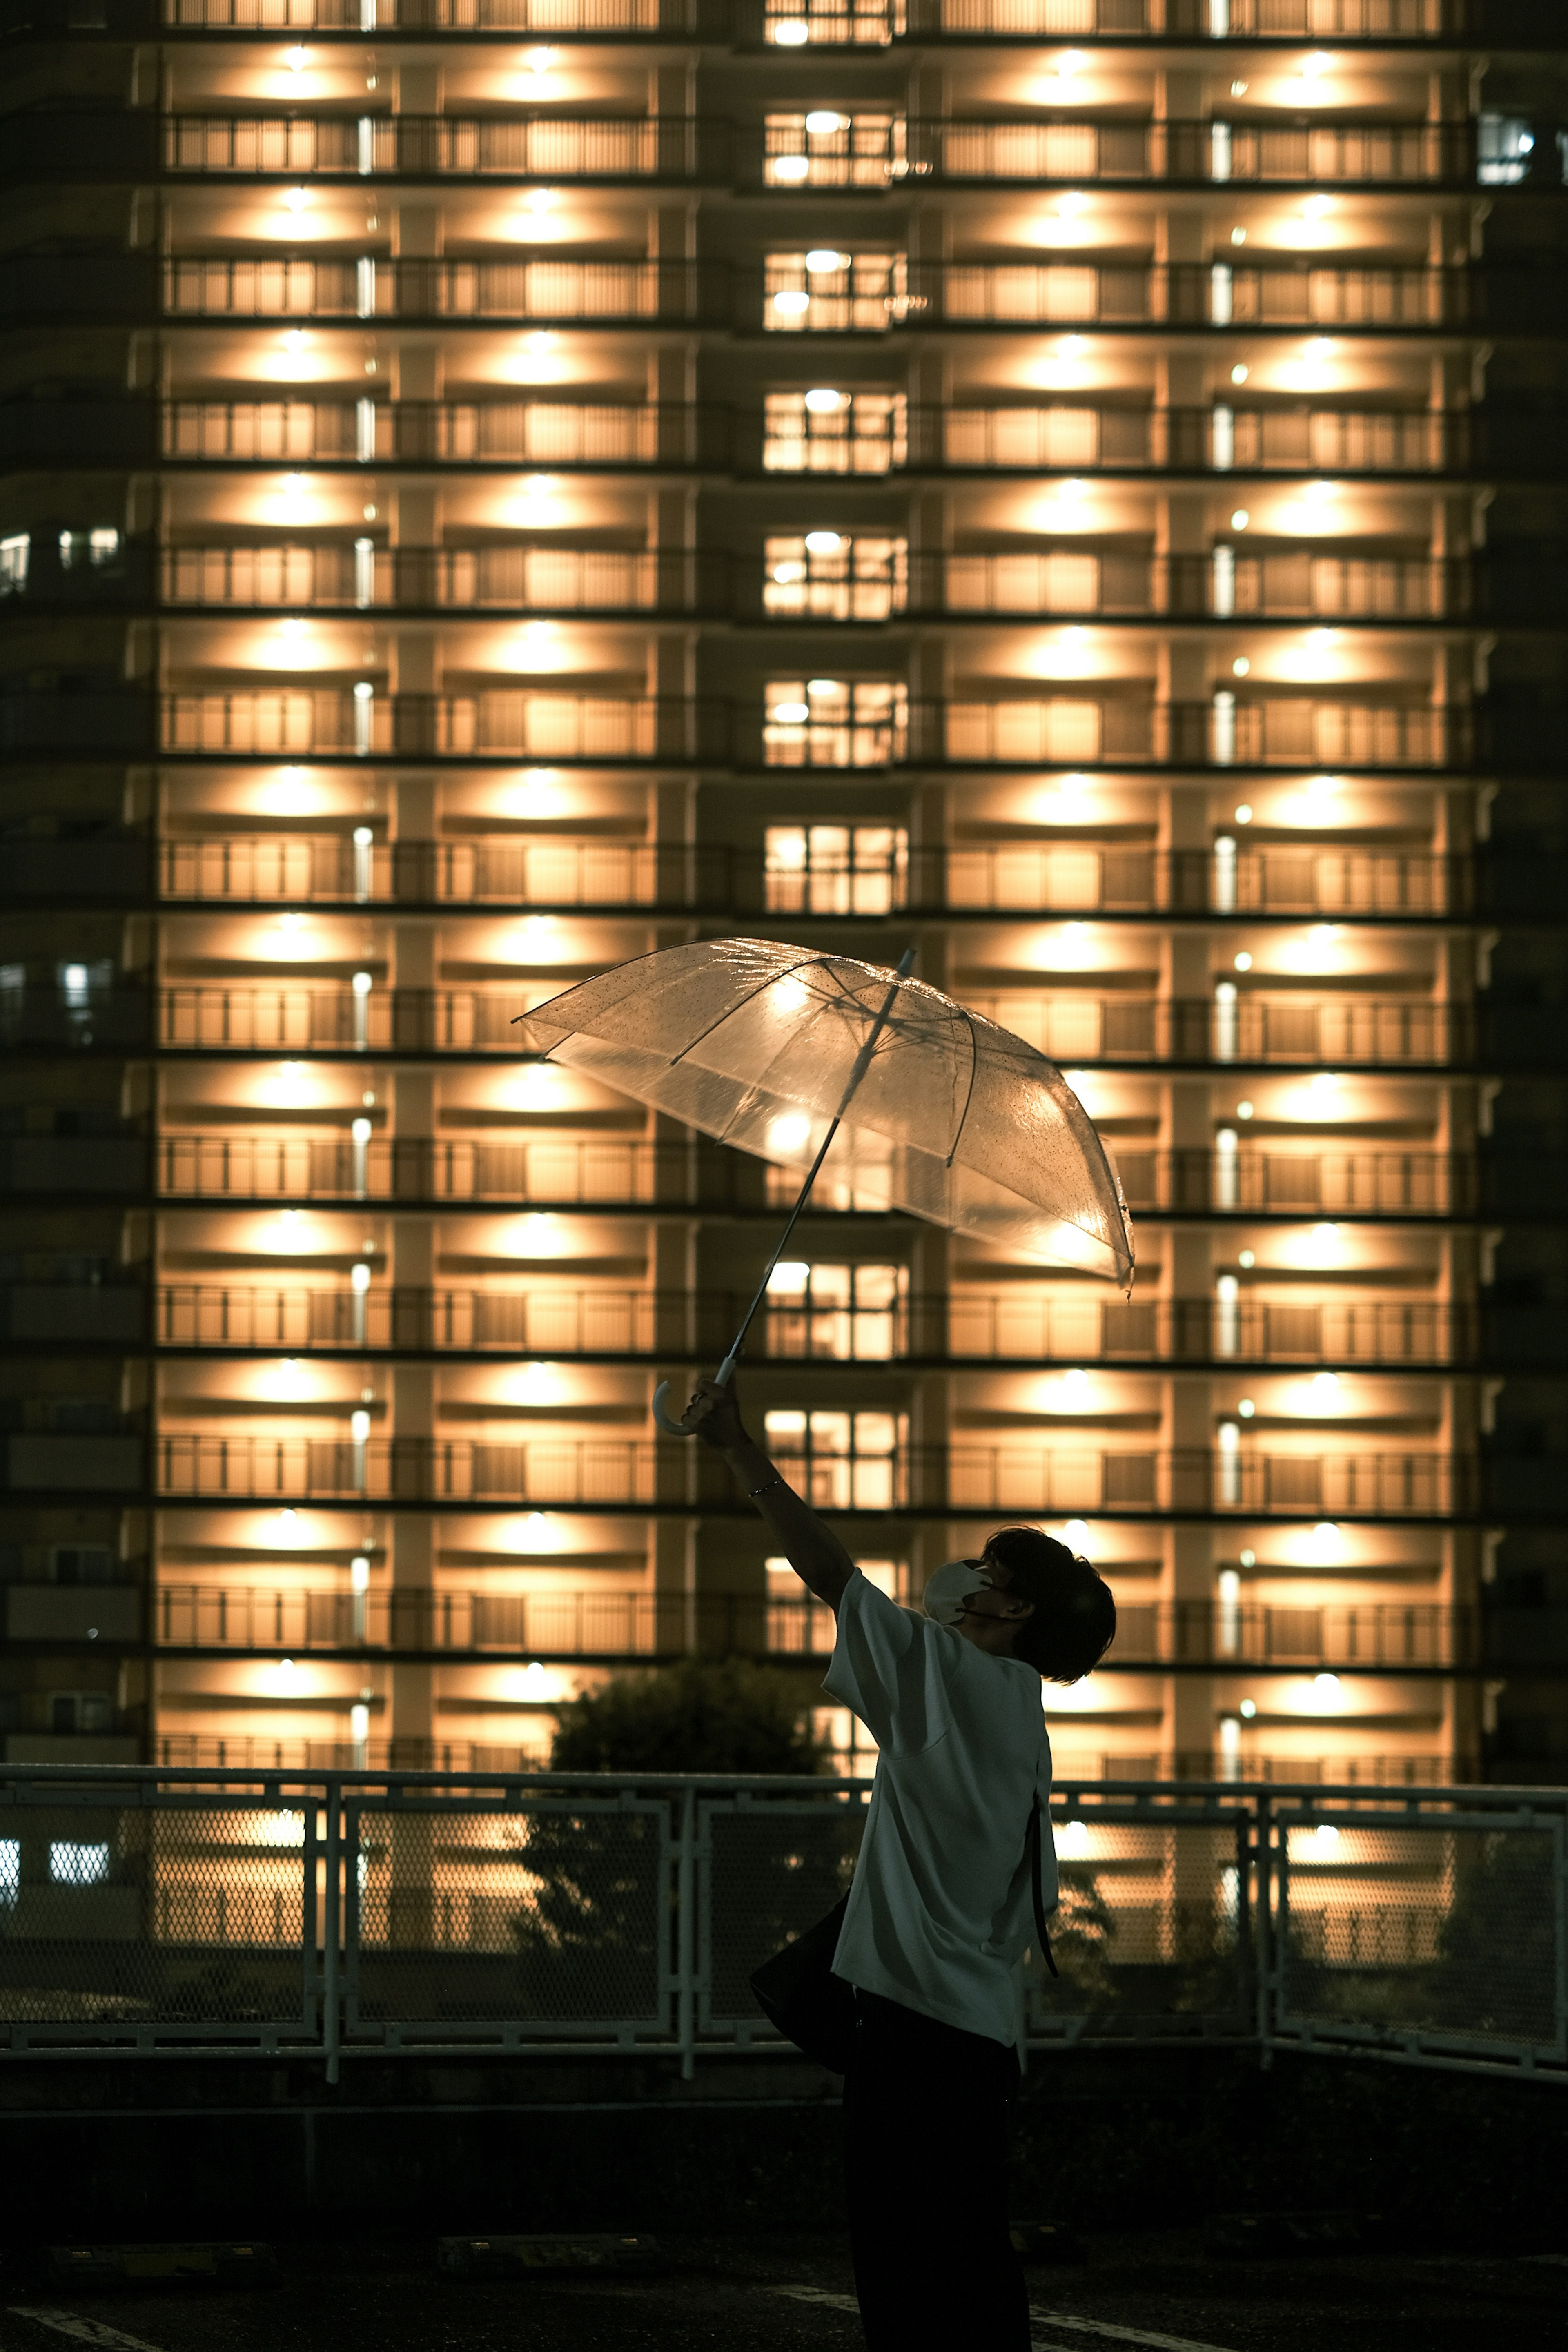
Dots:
pixel 696 1714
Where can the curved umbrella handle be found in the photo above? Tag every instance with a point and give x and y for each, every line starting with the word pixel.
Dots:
pixel 670 1428
pixel 723 1376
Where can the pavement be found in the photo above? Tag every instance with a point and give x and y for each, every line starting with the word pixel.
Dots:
pixel 795 2295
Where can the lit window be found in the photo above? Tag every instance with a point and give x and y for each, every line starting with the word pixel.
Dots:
pixel 826 150
pixel 74 1864
pixel 842 1461
pixel 844 1313
pixel 14 553
pixel 824 431
pixel 824 722
pixel 793 24
pixel 827 291
pixel 830 575
pixel 834 869
pixel 1504 146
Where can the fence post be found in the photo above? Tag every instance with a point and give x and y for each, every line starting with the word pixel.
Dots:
pixel 1264 1943
pixel 685 1936
pixel 331 1993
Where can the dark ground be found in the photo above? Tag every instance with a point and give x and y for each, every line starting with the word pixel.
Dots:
pixel 1456 2183
pixel 1146 2289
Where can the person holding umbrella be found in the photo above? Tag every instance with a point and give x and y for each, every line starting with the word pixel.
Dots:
pixel 951 1866
pixel 806 1058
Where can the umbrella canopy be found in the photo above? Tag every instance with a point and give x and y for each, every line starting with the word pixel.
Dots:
pixel 952 1117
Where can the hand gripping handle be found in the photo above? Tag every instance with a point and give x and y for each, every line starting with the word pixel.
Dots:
pixel 723 1376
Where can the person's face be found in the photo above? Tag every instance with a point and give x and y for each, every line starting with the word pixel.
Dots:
pixel 989 1619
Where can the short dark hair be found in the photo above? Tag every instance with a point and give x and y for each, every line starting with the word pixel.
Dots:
pixel 1074 1621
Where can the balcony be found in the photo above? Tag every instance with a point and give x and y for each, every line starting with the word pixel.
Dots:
pixel 822 724
pixel 631 293
pixel 1287 1183
pixel 861 434
pixel 632 1474
pixel 969 1326
pixel 299 146
pixel 864 292
pixel 1400 1637
pixel 360 576
pixel 871 24
pixel 813 875
pixel 822 149
pixel 858 150
pixel 499 432
pixel 1298 1031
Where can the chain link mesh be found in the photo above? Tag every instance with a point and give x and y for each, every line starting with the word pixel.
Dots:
pixel 1448 1931
pixel 769 1871
pixel 548 1917
pixel 116 1916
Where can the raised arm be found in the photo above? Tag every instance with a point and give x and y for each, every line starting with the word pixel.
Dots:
pixel 812 1548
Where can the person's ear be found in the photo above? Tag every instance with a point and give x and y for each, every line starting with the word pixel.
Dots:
pixel 1019 1608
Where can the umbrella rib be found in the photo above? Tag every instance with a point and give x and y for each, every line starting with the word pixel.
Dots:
pixel 763 985
pixel 968 1097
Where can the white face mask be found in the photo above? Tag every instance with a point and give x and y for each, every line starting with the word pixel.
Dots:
pixel 951 1586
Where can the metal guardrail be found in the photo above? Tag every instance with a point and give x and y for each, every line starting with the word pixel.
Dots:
pixel 609 1172
pixel 157 1910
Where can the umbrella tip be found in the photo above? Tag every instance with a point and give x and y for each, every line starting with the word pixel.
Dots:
pixel 907 961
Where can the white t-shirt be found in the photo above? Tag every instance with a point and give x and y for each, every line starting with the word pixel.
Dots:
pixel 939 1912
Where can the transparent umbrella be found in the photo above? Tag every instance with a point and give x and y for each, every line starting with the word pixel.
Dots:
pixel 798 1056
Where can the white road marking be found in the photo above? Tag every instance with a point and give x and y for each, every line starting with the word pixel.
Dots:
pixel 848 2302
pixel 86 2331
pixel 1121 2335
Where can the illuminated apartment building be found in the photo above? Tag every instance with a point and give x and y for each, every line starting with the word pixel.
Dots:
pixel 496 486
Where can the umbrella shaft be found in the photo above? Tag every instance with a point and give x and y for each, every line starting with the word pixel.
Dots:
pixel 862 1064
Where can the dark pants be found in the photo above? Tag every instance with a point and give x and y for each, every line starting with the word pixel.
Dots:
pixel 927 2114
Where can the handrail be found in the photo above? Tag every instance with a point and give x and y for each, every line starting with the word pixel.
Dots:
pixel 1064 434
pixel 1063 875
pixel 1418 1638
pixel 968 1324
pixel 867 147
pixel 550 1472
pixel 1295 1029
pixel 870 577
pixel 874 725
pixel 561 1172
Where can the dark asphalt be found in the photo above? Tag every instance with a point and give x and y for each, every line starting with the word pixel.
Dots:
pixel 1157 2290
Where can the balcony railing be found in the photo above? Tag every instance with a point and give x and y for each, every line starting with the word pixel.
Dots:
pixel 1368 1637
pixel 968 1326
pixel 1302 1031
pixel 303 869
pixel 878 728
pixel 558 1472
pixel 295 287
pixel 1295 1032
pixel 1060 437
pixel 523 576
pixel 853 149
pixel 877 292
pixel 1292 1182
pixel 516 577
pixel 795 24
pixel 502 432
pixel 423 146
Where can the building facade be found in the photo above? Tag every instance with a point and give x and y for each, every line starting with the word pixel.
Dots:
pixel 494 487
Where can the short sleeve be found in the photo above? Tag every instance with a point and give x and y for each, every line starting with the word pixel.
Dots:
pixel 892 1669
